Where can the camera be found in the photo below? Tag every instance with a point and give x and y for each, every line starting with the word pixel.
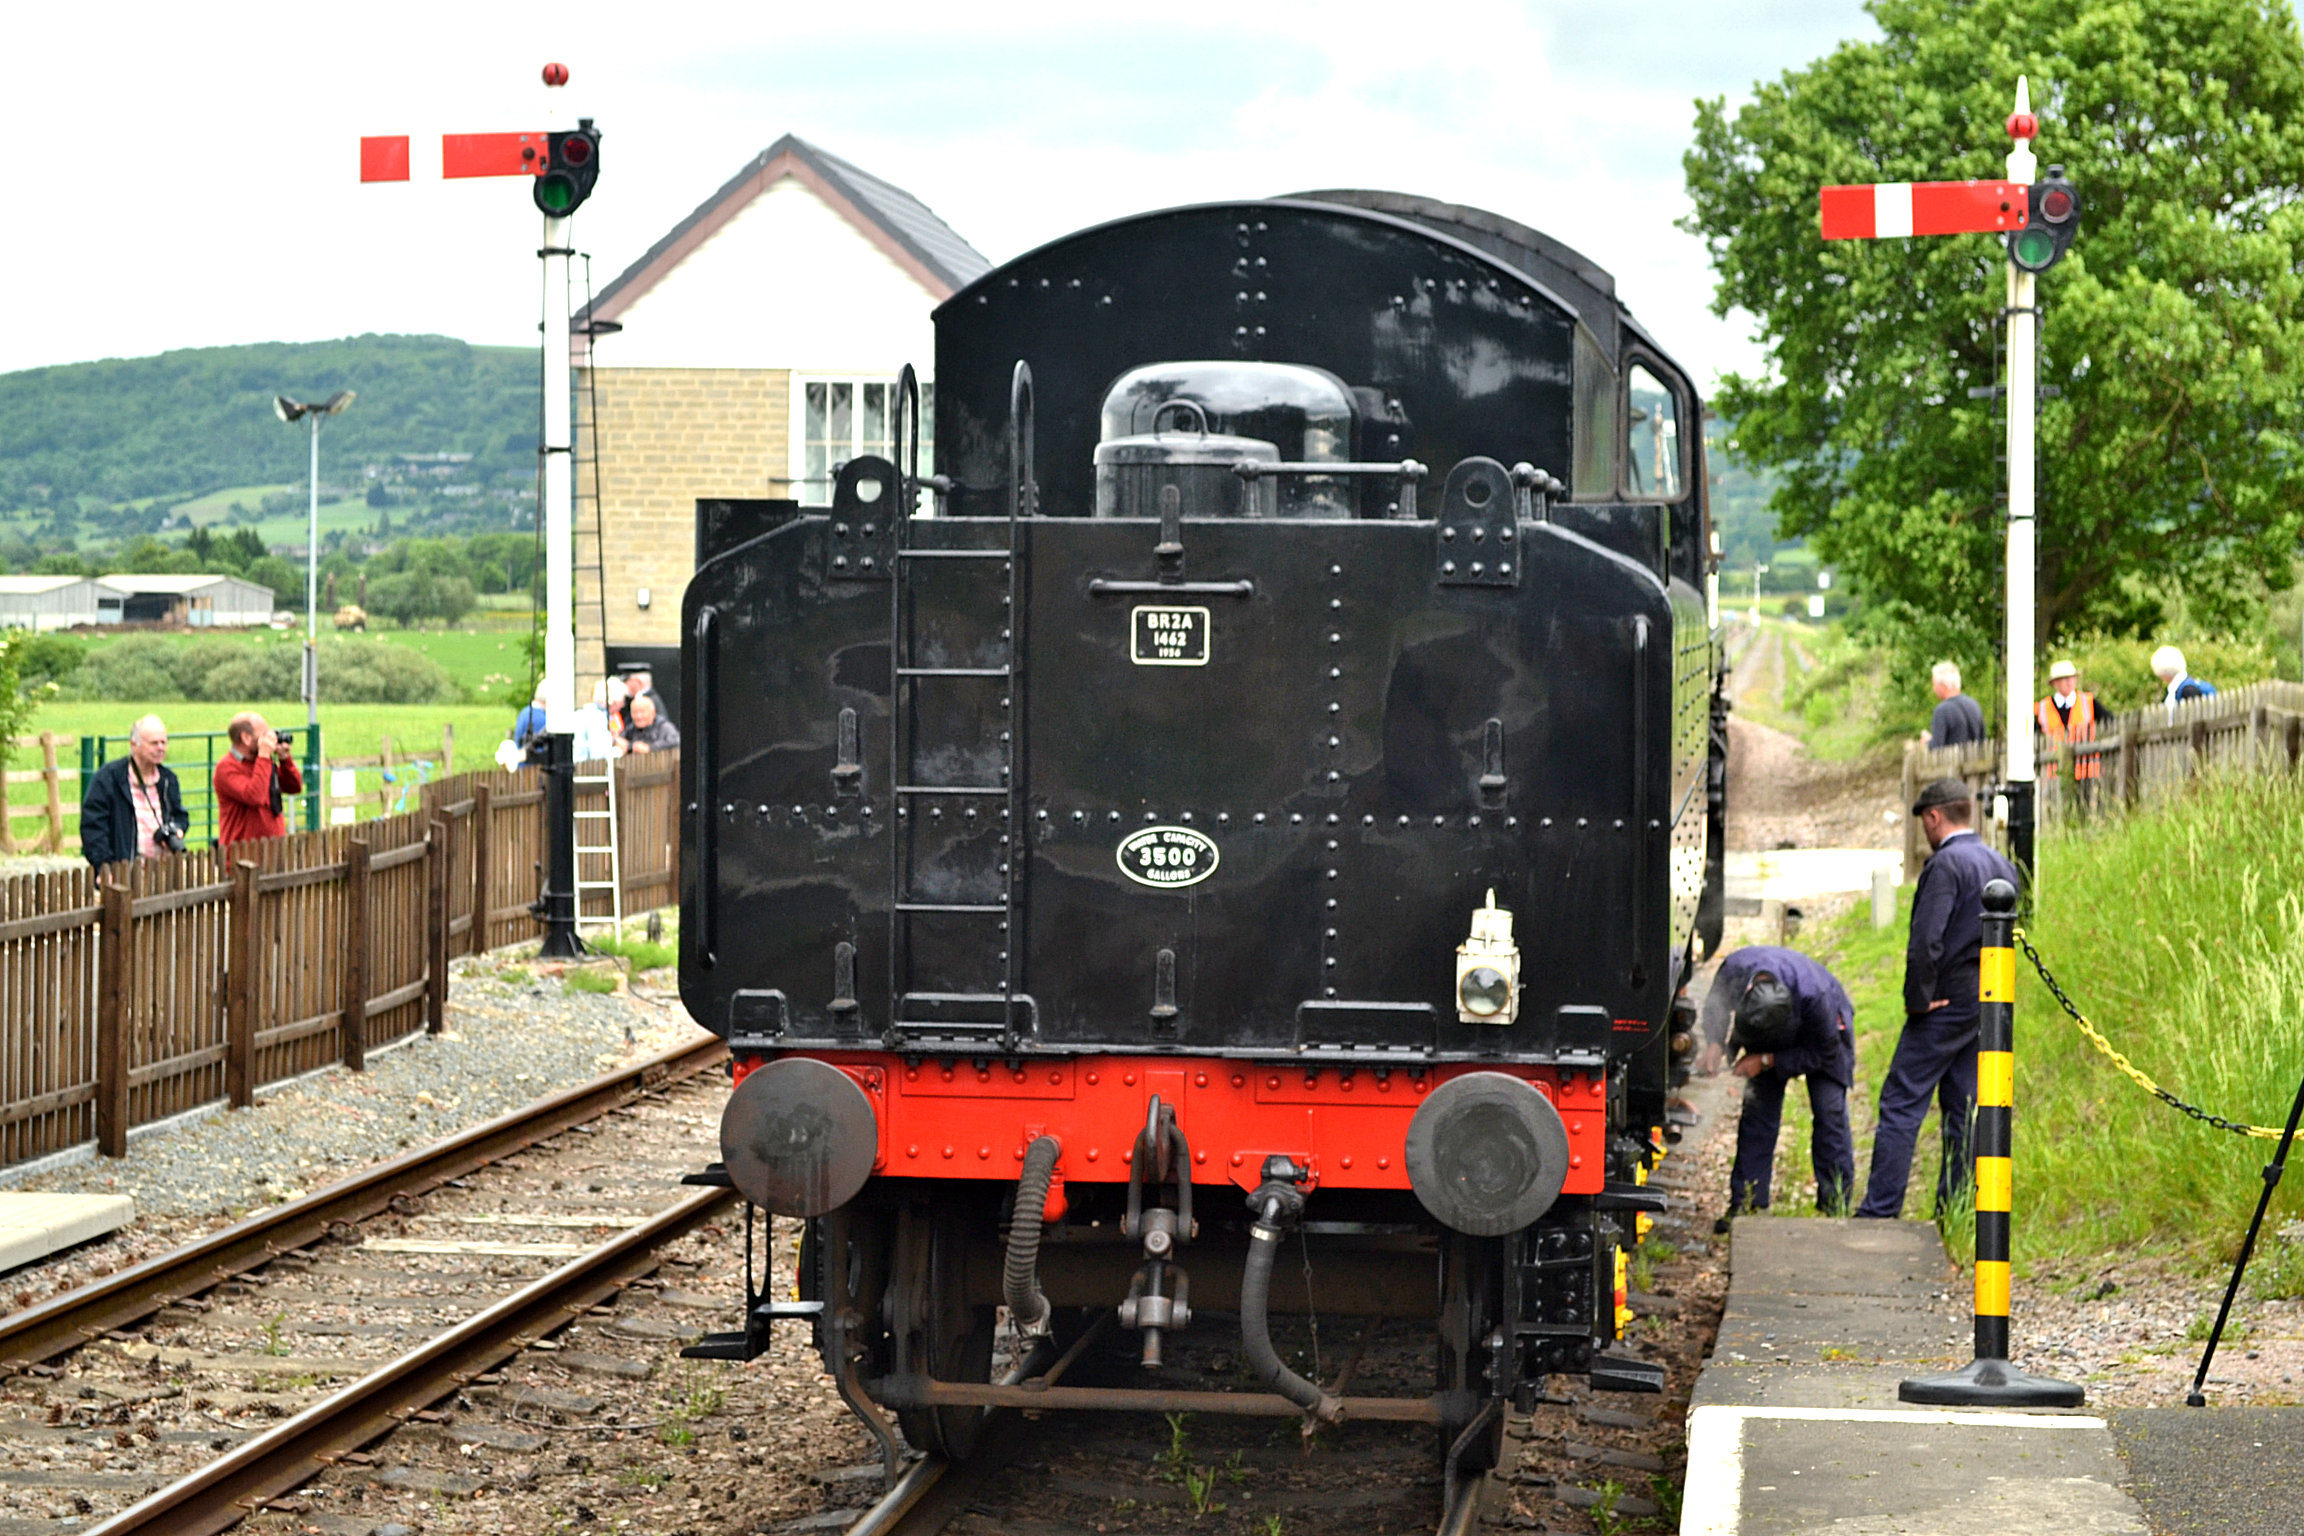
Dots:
pixel 169 838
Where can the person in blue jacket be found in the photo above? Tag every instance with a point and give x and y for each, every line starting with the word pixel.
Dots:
pixel 1936 1053
pixel 1790 1018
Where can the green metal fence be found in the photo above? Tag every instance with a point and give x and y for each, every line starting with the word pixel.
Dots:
pixel 199 787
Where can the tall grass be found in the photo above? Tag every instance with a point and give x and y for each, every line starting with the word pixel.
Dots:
pixel 2179 931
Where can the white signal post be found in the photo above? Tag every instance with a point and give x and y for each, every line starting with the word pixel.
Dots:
pixel 2023 429
pixel 559 490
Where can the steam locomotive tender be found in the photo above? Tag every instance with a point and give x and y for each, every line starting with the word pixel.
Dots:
pixel 1264 786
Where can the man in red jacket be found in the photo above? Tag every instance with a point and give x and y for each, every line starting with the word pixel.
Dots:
pixel 251 781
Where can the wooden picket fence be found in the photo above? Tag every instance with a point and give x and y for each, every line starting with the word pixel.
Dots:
pixel 52 772
pixel 163 986
pixel 2143 756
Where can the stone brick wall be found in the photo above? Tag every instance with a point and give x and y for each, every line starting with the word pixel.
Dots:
pixel 667 436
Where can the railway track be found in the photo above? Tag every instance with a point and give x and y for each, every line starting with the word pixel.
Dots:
pixel 280 1342
pixel 1582 1462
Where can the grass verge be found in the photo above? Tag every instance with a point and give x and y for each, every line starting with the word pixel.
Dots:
pixel 2180 932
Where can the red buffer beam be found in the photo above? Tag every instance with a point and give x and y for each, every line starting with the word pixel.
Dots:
pixel 1894 209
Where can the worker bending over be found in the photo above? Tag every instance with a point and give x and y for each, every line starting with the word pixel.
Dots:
pixel 1788 1017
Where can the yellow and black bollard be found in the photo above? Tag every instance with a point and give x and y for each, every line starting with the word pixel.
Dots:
pixel 1990 1381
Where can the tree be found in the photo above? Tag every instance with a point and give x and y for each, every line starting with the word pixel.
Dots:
pixel 2170 458
pixel 408 598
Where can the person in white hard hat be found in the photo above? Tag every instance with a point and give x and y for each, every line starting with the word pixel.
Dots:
pixel 2168 666
pixel 2068 714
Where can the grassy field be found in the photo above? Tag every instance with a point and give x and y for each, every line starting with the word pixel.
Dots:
pixel 2180 933
pixel 486 654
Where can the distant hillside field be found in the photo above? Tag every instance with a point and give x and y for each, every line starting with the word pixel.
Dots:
pixel 186 424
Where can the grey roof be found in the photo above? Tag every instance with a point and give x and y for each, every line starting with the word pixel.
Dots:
pixel 899 215
pixel 147 584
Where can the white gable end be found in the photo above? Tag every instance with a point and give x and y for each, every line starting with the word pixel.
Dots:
pixel 787 283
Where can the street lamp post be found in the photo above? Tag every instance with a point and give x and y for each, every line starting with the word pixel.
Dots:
pixel 313 412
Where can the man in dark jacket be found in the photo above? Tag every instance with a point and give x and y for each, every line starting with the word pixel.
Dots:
pixel 1958 719
pixel 1791 1018
pixel 131 808
pixel 1936 1053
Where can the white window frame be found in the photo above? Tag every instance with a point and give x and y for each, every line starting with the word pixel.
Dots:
pixel 815 489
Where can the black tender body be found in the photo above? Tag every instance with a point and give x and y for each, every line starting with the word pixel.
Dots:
pixel 1433 690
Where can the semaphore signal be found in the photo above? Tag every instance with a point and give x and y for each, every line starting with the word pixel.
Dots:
pixel 2037 220
pixel 1889 209
pixel 563 165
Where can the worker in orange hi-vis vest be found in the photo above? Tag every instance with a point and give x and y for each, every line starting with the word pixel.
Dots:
pixel 2068 714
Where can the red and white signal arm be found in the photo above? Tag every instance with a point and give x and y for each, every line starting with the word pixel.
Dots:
pixel 387 157
pixel 1894 209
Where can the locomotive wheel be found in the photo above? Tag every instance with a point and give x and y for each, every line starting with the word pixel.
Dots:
pixel 1470 1310
pixel 935 1331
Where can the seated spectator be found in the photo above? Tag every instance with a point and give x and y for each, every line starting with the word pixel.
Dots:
pixel 2168 666
pixel 250 782
pixel 529 723
pixel 132 808
pixel 649 731
pixel 596 732
pixel 639 681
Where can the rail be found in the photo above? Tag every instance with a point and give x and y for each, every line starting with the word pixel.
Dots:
pixel 223 1493
pixel 64 1323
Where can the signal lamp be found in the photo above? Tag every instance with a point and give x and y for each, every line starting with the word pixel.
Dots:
pixel 570 169
pixel 1488 969
pixel 2053 219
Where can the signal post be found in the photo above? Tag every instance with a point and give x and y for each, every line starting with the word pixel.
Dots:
pixel 2038 219
pixel 562 165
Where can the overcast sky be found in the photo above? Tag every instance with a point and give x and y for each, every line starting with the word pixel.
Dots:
pixel 188 175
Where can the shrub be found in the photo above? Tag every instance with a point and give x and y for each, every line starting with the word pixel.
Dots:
pixel 157 668
pixel 49 658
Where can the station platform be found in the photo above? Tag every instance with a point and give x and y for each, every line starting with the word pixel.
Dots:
pixel 1794 1426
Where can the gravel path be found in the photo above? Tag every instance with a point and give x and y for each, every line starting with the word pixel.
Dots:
pixel 515 1032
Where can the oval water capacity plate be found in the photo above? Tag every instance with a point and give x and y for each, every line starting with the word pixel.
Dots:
pixel 1167 857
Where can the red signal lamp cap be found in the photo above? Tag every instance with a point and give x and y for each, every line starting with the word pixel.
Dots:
pixel 2021 125
pixel 557 74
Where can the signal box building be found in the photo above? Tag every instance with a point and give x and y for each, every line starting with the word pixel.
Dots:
pixel 751 351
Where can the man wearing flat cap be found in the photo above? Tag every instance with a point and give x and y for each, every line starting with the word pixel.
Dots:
pixel 1936 1053
pixel 1787 1017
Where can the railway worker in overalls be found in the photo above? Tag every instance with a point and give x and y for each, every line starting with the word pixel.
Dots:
pixel 2068 714
pixel 1790 1017
pixel 1936 1053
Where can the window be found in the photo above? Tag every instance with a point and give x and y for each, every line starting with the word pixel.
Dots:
pixel 842 419
pixel 1592 477
pixel 1651 439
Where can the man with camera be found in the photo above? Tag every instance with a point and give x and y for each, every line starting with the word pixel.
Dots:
pixel 250 782
pixel 132 808
pixel 1788 1017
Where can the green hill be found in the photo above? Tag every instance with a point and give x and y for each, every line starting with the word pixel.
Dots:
pixel 111 446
